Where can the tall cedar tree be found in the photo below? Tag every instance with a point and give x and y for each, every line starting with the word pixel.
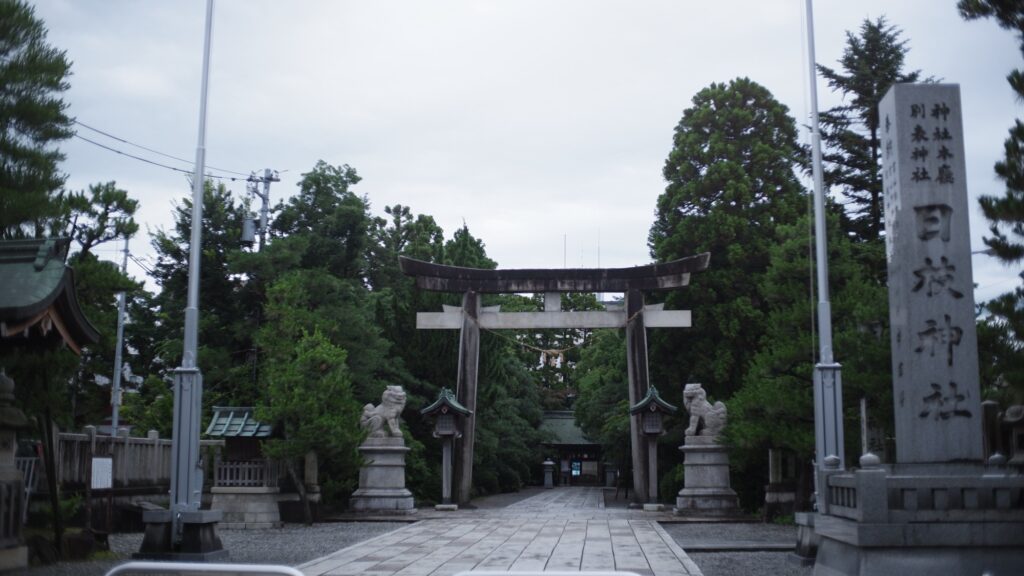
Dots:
pixel 1001 335
pixel 33 76
pixel 871 63
pixel 226 322
pixel 730 185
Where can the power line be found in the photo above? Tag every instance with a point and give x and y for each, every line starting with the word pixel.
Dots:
pixel 141 264
pixel 140 146
pixel 158 164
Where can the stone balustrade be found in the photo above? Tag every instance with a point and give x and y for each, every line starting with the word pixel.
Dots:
pixel 877 495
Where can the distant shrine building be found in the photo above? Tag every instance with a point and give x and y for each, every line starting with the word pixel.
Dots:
pixel 577 458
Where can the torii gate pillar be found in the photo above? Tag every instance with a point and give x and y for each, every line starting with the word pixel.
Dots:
pixel 469 362
pixel 636 362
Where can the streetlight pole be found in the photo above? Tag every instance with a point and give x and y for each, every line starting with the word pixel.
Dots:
pixel 186 474
pixel 828 386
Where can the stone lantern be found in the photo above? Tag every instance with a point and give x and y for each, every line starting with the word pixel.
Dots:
pixel 13 553
pixel 447 414
pixel 652 410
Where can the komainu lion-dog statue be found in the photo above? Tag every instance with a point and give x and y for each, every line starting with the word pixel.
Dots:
pixel 382 420
pixel 705 419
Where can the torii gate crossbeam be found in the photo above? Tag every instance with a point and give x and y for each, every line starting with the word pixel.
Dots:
pixel 635 317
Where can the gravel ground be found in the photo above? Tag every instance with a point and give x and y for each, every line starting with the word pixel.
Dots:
pixel 749 564
pixel 733 563
pixel 293 545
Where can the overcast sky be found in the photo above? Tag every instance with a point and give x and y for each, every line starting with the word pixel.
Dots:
pixel 543 125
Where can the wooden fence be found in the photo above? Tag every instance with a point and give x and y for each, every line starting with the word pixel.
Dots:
pixel 247 474
pixel 137 462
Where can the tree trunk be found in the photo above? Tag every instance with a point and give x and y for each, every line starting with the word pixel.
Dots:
pixel 49 446
pixel 307 513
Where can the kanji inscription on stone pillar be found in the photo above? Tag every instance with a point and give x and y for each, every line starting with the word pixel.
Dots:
pixel 928 248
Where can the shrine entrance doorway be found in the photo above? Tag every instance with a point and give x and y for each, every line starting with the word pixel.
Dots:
pixel 635 317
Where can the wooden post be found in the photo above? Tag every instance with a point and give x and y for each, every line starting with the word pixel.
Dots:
pixel 90 432
pixel 636 361
pixel 469 358
pixel 652 469
pixel 446 470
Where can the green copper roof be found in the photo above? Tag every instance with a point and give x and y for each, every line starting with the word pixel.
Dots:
pixel 560 426
pixel 233 421
pixel 652 398
pixel 35 279
pixel 446 398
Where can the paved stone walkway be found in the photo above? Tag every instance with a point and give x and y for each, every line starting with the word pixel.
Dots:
pixel 563 529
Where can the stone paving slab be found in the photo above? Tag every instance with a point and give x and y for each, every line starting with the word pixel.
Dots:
pixel 566 529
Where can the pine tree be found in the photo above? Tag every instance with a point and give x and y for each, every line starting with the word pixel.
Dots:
pixel 1001 335
pixel 33 76
pixel 871 63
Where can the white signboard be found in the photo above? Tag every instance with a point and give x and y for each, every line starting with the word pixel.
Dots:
pixel 102 473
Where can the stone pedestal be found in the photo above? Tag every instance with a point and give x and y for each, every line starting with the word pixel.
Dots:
pixel 706 488
pixel 382 478
pixel 199 540
pixel 247 508
pixel 918 520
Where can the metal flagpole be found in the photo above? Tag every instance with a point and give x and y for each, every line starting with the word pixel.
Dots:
pixel 828 389
pixel 186 475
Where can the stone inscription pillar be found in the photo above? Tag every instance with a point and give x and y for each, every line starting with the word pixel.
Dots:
pixel 928 249
pixel 636 362
pixel 469 360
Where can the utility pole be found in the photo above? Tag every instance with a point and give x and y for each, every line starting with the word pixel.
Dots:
pixel 253 187
pixel 115 390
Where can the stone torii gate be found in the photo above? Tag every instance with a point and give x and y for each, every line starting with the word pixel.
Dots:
pixel 635 317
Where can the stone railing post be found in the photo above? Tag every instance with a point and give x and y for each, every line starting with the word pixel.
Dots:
pixel 830 468
pixel 153 447
pixel 872 496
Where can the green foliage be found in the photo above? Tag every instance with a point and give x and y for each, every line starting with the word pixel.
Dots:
pixel 227 318
pixel 333 221
pixel 313 300
pixel 871 63
pixel 33 78
pixel 552 356
pixel 105 214
pixel 1006 213
pixel 309 399
pixel 602 408
pixel 1001 334
pixel 152 407
pixel 508 417
pixel 730 185
pixel 40 378
pixel 774 408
